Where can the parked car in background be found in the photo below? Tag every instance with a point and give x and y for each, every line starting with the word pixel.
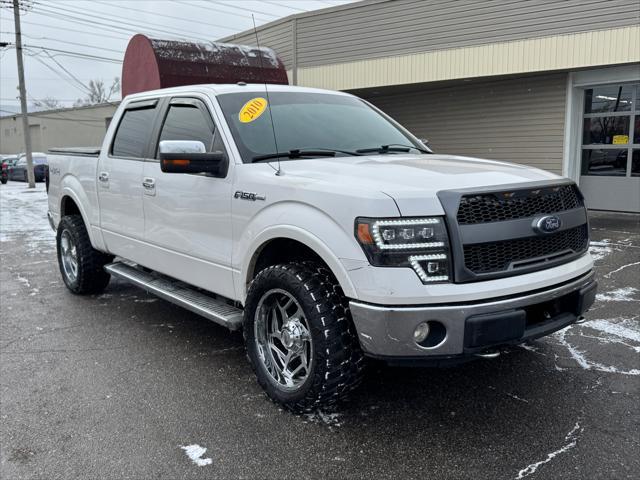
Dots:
pixel 18 171
pixel 7 161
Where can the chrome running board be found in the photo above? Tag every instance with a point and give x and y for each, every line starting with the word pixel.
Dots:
pixel 180 293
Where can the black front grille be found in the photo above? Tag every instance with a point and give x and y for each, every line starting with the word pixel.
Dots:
pixel 483 258
pixel 500 206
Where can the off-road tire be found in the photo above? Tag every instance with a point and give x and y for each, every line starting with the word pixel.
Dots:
pixel 91 277
pixel 338 363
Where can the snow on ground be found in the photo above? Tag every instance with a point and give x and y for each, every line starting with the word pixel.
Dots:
pixel 624 332
pixel 624 294
pixel 23 216
pixel 599 250
pixel 195 453
pixel 571 439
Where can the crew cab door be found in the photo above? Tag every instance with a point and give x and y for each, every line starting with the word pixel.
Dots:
pixel 188 216
pixel 119 180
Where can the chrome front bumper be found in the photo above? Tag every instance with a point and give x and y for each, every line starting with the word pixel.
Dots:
pixel 475 327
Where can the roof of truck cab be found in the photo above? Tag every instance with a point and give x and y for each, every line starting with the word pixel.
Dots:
pixel 220 89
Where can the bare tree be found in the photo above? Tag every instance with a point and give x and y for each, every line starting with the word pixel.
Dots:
pixel 98 93
pixel 47 103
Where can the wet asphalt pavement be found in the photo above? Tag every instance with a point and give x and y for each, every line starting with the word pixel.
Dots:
pixel 112 386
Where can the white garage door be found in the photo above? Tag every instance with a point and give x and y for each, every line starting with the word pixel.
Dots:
pixel 610 168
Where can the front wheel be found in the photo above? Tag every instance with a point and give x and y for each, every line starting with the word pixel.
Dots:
pixel 80 264
pixel 299 337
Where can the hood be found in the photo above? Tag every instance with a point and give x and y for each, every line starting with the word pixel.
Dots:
pixel 414 180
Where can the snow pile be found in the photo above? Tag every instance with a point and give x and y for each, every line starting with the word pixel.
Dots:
pixel 195 453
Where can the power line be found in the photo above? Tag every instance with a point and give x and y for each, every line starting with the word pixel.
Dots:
pixel 209 9
pixel 75 54
pixel 70 43
pixel 163 29
pixel 67 29
pixel 286 6
pixel 76 79
pixel 209 24
pixel 88 23
pixel 81 88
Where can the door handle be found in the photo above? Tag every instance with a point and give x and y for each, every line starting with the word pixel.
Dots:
pixel 149 185
pixel 103 177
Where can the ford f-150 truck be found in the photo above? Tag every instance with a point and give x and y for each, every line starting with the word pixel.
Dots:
pixel 323 229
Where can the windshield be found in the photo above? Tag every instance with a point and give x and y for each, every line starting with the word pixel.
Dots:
pixel 305 120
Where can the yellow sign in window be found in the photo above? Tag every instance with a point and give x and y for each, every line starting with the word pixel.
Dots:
pixel 620 139
pixel 251 110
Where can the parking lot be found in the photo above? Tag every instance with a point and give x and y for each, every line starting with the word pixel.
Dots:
pixel 115 385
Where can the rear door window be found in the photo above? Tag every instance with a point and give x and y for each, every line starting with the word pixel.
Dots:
pixel 133 134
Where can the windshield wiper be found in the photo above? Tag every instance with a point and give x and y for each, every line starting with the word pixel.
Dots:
pixel 299 153
pixel 393 147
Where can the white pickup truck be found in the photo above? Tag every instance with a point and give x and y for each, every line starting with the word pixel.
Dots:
pixel 323 229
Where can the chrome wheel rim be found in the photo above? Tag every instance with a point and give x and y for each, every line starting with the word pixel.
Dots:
pixel 69 256
pixel 283 339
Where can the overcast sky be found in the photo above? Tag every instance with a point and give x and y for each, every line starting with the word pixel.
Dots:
pixel 56 31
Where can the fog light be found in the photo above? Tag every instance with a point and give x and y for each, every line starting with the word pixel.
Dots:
pixel 421 332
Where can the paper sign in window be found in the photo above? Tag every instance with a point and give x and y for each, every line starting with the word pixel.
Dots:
pixel 620 139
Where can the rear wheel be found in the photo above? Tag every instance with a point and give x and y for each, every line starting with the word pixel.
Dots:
pixel 80 264
pixel 299 337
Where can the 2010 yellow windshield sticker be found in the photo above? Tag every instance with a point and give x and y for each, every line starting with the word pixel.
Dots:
pixel 251 110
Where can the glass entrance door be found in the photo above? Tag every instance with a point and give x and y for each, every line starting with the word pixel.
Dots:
pixel 610 164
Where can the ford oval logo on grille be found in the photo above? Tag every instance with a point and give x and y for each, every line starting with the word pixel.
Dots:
pixel 547 224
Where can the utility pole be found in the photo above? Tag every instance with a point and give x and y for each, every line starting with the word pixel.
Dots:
pixel 23 95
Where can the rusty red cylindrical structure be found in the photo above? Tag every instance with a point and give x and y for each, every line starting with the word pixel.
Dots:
pixel 150 64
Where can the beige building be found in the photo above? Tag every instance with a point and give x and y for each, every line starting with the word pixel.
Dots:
pixel 65 127
pixel 549 83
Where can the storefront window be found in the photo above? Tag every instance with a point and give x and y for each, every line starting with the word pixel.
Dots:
pixel 604 162
pixel 611 131
pixel 607 130
pixel 611 98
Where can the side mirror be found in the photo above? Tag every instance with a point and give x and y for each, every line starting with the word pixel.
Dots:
pixel 425 142
pixel 186 156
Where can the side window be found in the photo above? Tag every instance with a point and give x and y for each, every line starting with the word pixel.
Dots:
pixel 190 122
pixel 133 133
pixel 22 161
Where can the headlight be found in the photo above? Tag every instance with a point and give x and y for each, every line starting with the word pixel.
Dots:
pixel 419 243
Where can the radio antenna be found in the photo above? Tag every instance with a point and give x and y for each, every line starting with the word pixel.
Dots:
pixel 266 92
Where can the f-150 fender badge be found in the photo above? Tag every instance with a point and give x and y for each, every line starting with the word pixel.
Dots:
pixel 249 196
pixel 547 224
